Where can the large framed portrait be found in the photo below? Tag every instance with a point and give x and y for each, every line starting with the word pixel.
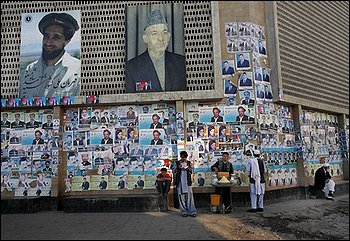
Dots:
pixel 166 67
pixel 155 60
pixel 50 54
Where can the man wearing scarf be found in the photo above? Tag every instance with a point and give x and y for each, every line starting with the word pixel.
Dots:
pixel 183 182
pixel 257 169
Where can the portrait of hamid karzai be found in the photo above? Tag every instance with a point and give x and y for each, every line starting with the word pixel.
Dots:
pixel 155 49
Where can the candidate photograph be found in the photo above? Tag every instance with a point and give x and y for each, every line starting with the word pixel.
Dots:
pixel 155 59
pixel 50 54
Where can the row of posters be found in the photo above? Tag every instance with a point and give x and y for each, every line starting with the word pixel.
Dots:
pixel 46 101
pixel 37 101
pixel 248 44
pixel 278 144
pixel 344 139
pixel 29 120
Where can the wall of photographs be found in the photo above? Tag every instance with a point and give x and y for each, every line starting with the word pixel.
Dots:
pixel 30 141
pixel 247 82
pixel 119 147
pixel 271 131
pixel 246 68
pixel 278 143
pixel 320 137
pixel 123 147
pixel 214 128
pixel 246 119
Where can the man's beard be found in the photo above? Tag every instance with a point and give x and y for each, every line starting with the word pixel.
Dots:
pixel 51 55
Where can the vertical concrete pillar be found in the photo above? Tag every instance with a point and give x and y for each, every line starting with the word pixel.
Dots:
pixel 303 180
pixel 342 126
pixel 180 106
pixel 297 112
pixel 240 11
pixel 58 183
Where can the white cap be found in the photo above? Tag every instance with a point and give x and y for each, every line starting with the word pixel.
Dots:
pixel 256 152
pixel 326 164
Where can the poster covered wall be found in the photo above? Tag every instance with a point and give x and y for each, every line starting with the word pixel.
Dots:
pixel 320 137
pixel 118 147
pixel 29 152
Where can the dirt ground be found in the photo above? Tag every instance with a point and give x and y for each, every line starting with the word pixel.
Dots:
pixel 299 219
pixel 226 227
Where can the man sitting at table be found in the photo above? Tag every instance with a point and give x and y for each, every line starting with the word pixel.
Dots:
pixel 224 165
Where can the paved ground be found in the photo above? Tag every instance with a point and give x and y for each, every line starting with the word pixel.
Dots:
pixel 298 219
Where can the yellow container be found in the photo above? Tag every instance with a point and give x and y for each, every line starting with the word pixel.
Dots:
pixel 215 199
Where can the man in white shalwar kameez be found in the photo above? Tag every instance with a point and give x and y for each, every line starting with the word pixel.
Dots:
pixel 323 181
pixel 256 168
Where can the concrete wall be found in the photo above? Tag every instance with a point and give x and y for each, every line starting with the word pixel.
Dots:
pixel 253 11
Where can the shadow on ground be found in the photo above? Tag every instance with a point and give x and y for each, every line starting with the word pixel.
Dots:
pixel 297 219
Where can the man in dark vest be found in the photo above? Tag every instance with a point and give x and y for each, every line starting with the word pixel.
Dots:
pixel 224 165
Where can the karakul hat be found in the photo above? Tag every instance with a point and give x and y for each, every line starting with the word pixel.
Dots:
pixel 154 18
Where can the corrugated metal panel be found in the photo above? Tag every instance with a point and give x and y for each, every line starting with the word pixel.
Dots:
pixel 314 50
